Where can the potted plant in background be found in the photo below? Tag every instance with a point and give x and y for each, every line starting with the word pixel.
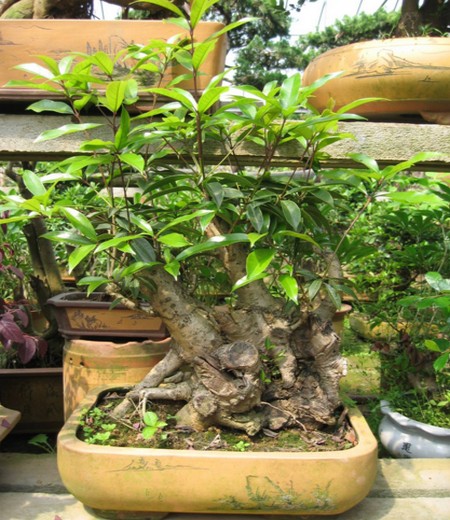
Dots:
pixel 27 385
pixel 416 424
pixel 266 358
pixel 409 70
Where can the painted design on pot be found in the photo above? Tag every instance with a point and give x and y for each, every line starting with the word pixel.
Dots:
pixel 141 464
pixel 387 63
pixel 267 495
pixel 405 438
pixel 83 320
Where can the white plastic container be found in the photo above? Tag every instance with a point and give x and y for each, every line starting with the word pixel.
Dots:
pixel 405 438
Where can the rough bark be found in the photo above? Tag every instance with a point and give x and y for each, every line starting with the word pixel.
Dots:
pixel 247 367
pixel 432 15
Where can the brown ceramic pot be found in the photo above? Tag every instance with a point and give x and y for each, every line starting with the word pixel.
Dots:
pixel 81 317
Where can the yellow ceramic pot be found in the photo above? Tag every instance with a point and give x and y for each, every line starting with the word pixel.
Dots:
pixel 161 480
pixel 25 40
pixel 413 74
pixel 88 364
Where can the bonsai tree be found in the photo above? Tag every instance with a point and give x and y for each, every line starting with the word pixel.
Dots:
pixel 265 356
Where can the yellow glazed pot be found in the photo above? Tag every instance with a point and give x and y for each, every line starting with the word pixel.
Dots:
pixel 89 364
pixel 161 481
pixel 413 74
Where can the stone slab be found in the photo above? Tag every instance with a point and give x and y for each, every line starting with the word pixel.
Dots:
pixel 410 489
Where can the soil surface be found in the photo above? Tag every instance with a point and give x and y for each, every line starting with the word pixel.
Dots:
pixel 97 427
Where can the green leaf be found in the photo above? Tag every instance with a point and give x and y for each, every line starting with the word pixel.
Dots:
pixel 300 236
pixel 93 282
pixel 66 237
pixel 198 9
pixel 213 243
pixel 441 362
pixel 183 96
pixel 114 95
pixel 258 261
pixel 150 418
pixel 121 137
pixel 367 161
pixel 47 135
pixel 289 91
pixel 167 4
pixel 290 286
pixel 174 240
pixel 143 249
pixel 103 61
pixel 173 268
pixel 245 280
pixel 432 345
pixel 48 105
pixel 314 288
pixel 256 217
pixel 33 183
pixel 115 242
pixel 291 213
pixel 142 224
pixel 78 255
pixel 209 97
pixel 36 70
pixel 133 159
pixel 215 189
pixel 201 53
pixel 80 222
pixel 333 295
pixel 148 432
pixel 186 218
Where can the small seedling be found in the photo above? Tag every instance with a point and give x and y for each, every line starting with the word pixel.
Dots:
pixel 152 424
pixel 95 429
pixel 41 441
pixel 241 446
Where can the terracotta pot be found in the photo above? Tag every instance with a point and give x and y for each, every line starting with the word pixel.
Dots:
pixel 339 318
pixel 22 41
pixel 80 317
pixel 90 364
pixel 408 439
pixel 38 394
pixel 146 480
pixel 413 74
pixel 8 419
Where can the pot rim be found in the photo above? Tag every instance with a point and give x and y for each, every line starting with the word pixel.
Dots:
pixel 406 422
pixel 366 440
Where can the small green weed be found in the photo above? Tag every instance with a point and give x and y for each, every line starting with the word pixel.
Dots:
pixel 96 429
pixel 41 441
pixel 152 424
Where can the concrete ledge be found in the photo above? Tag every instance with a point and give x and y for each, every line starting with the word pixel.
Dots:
pixel 409 489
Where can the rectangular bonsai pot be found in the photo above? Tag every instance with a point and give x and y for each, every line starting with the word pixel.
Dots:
pixel 23 41
pixel 80 316
pixel 138 480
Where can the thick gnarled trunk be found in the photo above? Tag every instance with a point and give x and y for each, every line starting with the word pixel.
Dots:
pixel 247 367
